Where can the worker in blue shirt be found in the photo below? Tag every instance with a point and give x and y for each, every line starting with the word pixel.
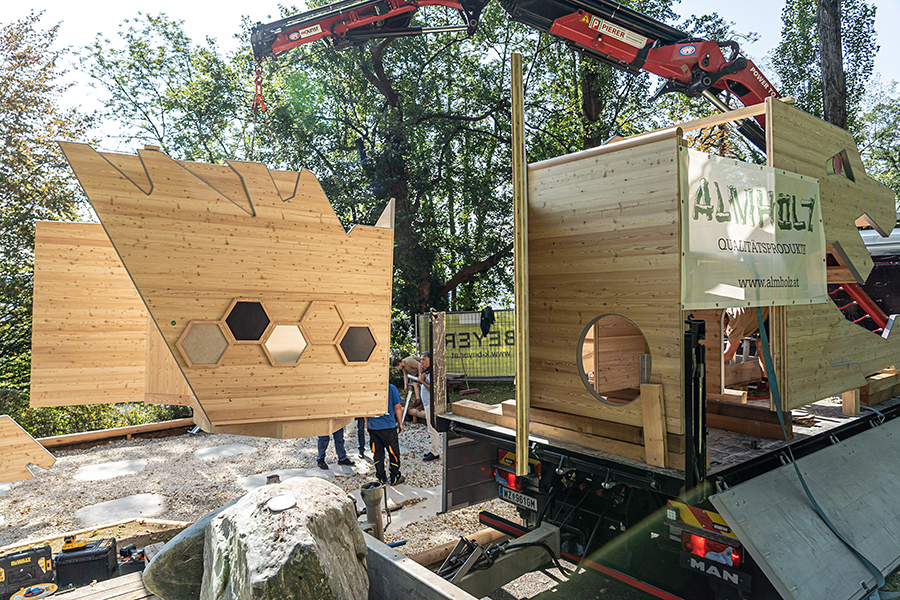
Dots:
pixel 383 432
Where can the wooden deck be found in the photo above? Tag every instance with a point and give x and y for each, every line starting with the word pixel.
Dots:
pixel 127 587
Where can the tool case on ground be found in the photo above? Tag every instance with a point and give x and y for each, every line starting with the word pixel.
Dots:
pixel 86 562
pixel 131 560
pixel 24 568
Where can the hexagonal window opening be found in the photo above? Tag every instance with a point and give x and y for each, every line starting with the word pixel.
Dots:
pixel 285 345
pixel 247 320
pixel 203 343
pixel 358 344
pixel 322 322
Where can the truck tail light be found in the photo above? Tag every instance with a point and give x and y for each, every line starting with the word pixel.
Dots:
pixel 711 549
pixel 508 478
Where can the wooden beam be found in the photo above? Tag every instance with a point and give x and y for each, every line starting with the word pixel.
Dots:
pixel 850 402
pixel 747 419
pixel 882 386
pixel 839 274
pixel 520 254
pixel 90 531
pixel 495 416
pixel 587 425
pixel 728 117
pixel 733 396
pixel 742 373
pixel 105 434
pixel 654 414
pixel 439 553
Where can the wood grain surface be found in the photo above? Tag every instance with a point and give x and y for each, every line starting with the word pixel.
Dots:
pixel 195 238
pixel 18 450
pixel 92 338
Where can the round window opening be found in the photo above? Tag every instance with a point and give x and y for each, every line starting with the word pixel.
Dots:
pixel 613 359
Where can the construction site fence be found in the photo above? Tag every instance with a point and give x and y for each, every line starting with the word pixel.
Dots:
pixel 478 355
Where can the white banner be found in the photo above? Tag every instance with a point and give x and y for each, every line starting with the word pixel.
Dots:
pixel 751 235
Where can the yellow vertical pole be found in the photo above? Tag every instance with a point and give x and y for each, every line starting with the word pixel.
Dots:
pixel 520 256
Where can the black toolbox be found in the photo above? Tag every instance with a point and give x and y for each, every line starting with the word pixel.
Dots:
pixel 94 561
pixel 25 568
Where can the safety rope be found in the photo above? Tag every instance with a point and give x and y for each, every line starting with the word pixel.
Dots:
pixel 776 398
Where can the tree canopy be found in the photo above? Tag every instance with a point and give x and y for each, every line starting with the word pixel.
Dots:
pixel 35 182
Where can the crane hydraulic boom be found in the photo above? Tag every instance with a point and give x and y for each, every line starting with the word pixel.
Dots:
pixel 603 30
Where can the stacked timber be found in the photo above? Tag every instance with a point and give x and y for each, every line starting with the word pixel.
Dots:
pixel 596 434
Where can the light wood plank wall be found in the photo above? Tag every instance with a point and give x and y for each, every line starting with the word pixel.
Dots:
pixel 92 339
pixel 18 450
pixel 603 238
pixel 208 234
pixel 810 339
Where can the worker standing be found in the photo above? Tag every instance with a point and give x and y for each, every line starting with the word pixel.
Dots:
pixel 383 431
pixel 425 380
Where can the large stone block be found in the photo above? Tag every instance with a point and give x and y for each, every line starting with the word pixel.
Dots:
pixel 176 573
pixel 299 539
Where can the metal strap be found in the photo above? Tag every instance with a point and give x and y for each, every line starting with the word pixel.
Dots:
pixel 776 398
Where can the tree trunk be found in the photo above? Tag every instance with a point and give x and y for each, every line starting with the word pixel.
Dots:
pixel 834 87
pixel 592 105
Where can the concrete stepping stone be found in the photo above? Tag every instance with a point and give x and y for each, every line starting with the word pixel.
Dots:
pixel 225 451
pixel 110 469
pixel 5 487
pixel 429 506
pixel 129 507
pixel 252 482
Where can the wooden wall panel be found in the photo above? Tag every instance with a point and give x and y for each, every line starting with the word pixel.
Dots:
pixel 93 340
pixel 208 235
pixel 604 239
pixel 821 353
pixel 163 376
pixel 18 449
pixel 89 331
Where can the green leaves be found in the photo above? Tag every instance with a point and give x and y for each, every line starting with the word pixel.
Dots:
pixel 167 91
pixel 796 58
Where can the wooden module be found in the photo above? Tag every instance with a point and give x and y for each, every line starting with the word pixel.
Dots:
pixel 18 450
pixel 278 318
pixel 818 352
pixel 604 242
pixel 92 339
pixel 603 239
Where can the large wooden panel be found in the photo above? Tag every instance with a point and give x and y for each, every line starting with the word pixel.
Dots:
pixel 207 238
pixel 19 449
pixel 92 338
pixel 603 239
pixel 820 353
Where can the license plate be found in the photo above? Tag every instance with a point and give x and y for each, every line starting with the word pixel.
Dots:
pixel 518 498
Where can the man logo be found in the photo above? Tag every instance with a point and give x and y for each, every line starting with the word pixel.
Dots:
pixel 294 36
pixel 715 570
pixel 687 50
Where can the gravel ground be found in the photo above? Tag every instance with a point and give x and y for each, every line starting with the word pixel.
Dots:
pixel 46 504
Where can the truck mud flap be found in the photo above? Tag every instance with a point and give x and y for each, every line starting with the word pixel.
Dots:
pixel 856 482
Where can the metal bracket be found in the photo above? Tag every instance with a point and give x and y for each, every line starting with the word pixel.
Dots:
pixel 460 560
